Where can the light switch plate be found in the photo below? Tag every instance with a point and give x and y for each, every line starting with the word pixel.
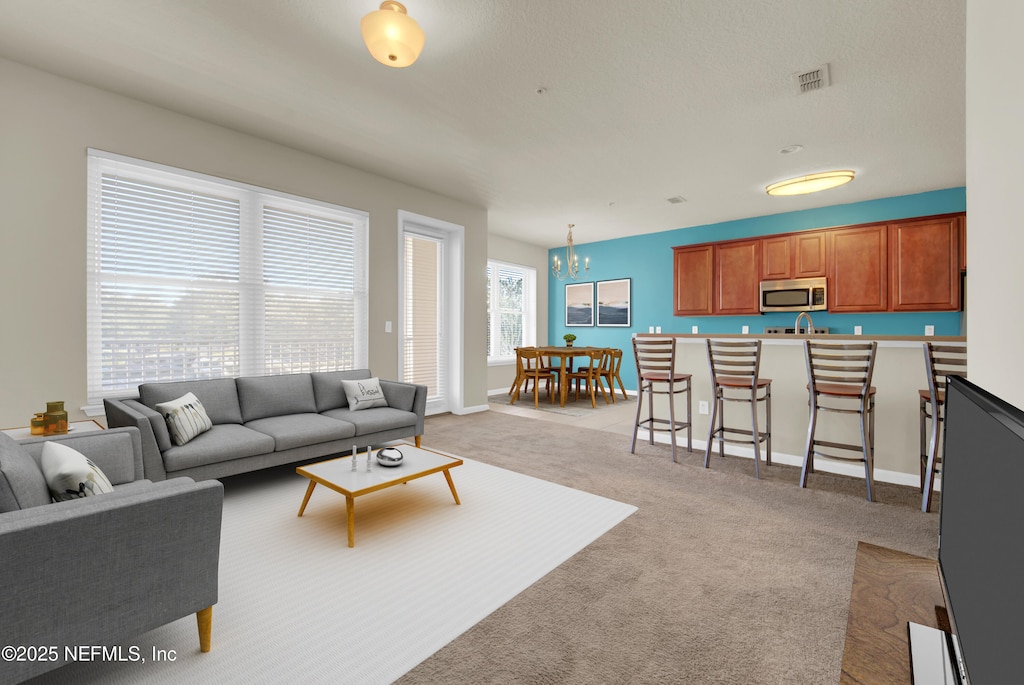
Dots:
pixel 694 330
pixel 857 330
pixel 746 330
pixel 929 330
pixel 657 329
pixel 650 329
pixel 387 326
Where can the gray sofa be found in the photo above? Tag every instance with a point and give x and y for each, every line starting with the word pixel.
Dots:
pixel 263 421
pixel 100 570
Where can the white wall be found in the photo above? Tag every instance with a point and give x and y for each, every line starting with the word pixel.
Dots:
pixel 995 208
pixel 525 254
pixel 48 122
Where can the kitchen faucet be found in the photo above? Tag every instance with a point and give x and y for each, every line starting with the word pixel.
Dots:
pixel 810 324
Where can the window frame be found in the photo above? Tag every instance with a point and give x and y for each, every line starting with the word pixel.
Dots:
pixel 251 284
pixel 529 309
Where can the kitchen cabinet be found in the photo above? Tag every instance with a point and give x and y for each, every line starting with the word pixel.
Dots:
pixel 795 255
pixel 737 277
pixel 924 264
pixel 858 269
pixel 693 268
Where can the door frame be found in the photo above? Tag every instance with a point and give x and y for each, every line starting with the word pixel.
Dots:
pixel 453 239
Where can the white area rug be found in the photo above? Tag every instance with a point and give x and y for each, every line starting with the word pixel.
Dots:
pixel 298 605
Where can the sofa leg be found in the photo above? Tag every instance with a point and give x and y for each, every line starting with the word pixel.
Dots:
pixel 204 617
pixel 418 440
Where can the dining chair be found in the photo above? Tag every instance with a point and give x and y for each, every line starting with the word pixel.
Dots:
pixel 610 369
pixel 516 382
pixel 735 377
pixel 590 375
pixel 940 361
pixel 656 368
pixel 841 373
pixel 528 367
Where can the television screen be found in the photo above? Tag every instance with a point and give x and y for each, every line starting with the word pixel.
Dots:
pixel 981 531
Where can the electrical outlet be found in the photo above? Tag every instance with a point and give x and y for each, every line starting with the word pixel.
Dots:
pixel 702 407
pixel 857 330
pixel 746 330
pixel 694 330
pixel 929 330
pixel 657 329
pixel 650 329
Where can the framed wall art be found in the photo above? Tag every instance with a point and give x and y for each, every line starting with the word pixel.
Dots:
pixel 613 304
pixel 579 304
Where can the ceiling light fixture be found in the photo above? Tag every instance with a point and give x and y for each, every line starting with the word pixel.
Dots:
pixel 391 35
pixel 811 183
pixel 572 262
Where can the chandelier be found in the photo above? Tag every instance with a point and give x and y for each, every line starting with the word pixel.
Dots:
pixel 572 262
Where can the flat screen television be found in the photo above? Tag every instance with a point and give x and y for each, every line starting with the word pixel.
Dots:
pixel 981 533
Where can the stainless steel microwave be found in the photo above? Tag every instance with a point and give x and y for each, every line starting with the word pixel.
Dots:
pixel 796 295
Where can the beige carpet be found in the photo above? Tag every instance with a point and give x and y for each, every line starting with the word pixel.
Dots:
pixel 718 577
pixel 298 606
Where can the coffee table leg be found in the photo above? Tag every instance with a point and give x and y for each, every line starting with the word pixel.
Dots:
pixel 448 477
pixel 350 512
pixel 305 500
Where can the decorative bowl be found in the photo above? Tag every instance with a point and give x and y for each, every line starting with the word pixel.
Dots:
pixel 389 456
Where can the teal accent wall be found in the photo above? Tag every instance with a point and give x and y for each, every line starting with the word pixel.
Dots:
pixel 647 261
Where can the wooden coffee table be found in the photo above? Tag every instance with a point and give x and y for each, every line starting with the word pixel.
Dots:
pixel 337 474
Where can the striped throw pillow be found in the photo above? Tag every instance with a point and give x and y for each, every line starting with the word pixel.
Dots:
pixel 186 418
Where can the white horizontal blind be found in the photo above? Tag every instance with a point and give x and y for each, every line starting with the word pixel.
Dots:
pixel 424 340
pixel 195 277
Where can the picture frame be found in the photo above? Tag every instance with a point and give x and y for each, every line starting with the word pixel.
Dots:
pixel 579 304
pixel 613 303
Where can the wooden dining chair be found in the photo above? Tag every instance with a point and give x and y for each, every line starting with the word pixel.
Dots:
pixel 527 363
pixel 528 367
pixel 940 361
pixel 590 375
pixel 610 368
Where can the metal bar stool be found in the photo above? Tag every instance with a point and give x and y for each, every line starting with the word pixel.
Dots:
pixel 940 361
pixel 842 373
pixel 735 368
pixel 656 364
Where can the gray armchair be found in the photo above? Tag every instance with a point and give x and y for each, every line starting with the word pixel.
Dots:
pixel 103 569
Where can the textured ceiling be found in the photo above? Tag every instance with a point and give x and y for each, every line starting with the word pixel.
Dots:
pixel 642 102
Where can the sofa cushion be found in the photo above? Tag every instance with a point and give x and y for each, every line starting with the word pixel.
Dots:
pixel 21 481
pixel 328 390
pixel 263 396
pixel 218 395
pixel 364 394
pixel 376 419
pixel 299 430
pixel 70 475
pixel 221 443
pixel 186 418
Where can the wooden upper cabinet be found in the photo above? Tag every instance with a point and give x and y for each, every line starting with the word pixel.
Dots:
pixel 737 275
pixel 858 269
pixel 800 255
pixel 963 243
pixel 693 269
pixel 924 260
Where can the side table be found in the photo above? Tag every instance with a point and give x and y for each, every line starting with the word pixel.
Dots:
pixel 73 427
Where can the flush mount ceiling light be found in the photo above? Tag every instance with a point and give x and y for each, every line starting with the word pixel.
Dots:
pixel 811 183
pixel 391 35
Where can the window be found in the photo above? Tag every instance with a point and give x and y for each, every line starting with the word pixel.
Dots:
pixel 511 310
pixel 191 276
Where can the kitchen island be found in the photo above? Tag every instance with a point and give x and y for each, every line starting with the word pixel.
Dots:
pixel 899 374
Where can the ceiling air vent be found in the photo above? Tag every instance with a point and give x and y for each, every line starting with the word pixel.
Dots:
pixel 812 79
pixel 678 199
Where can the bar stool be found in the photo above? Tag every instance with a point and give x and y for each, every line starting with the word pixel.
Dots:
pixel 842 373
pixel 529 367
pixel 735 368
pixel 656 364
pixel 940 361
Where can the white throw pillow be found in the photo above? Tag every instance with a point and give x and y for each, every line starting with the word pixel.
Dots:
pixel 365 393
pixel 70 474
pixel 186 418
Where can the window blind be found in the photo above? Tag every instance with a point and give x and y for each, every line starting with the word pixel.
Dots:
pixel 511 309
pixel 424 339
pixel 191 277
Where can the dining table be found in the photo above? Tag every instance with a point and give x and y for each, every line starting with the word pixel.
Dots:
pixel 565 355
